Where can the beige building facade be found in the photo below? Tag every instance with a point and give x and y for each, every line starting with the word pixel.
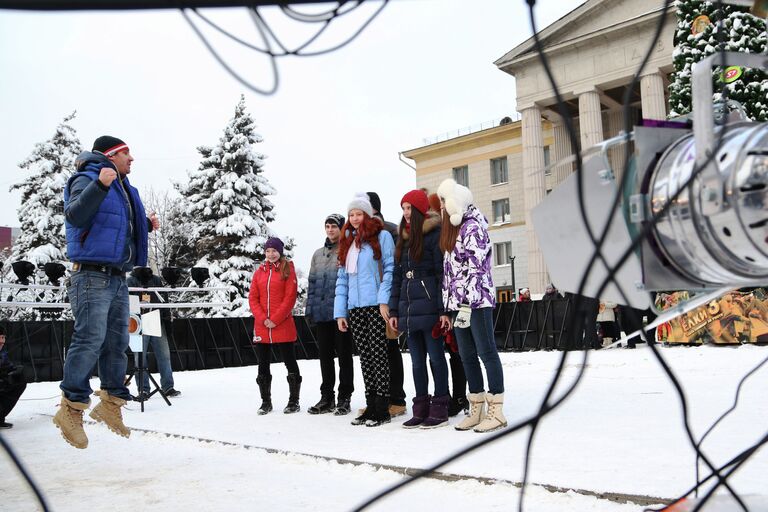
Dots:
pixel 594 53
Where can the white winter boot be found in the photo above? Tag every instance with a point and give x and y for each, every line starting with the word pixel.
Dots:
pixel 476 411
pixel 494 419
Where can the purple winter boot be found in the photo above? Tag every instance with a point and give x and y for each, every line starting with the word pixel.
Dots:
pixel 420 411
pixel 438 412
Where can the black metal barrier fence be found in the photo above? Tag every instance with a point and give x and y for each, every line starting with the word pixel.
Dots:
pixel 201 343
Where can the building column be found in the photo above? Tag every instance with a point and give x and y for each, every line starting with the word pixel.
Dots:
pixel 560 150
pixel 616 154
pixel 534 190
pixel 590 119
pixel 654 104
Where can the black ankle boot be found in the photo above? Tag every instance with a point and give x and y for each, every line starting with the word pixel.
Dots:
pixel 325 405
pixel 381 414
pixel 456 405
pixel 294 387
pixel 265 388
pixel 343 406
pixel 369 413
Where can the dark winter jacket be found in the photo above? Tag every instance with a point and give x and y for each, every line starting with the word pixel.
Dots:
pixel 389 227
pixel 105 225
pixel 416 299
pixel 132 281
pixel 322 282
pixel 273 297
pixel 10 374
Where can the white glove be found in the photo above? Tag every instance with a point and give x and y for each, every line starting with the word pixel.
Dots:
pixel 462 319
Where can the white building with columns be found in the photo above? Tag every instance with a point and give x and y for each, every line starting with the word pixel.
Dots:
pixel 594 53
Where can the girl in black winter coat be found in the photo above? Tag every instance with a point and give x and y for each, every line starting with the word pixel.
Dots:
pixel 416 305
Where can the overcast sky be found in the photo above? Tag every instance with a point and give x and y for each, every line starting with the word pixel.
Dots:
pixel 335 126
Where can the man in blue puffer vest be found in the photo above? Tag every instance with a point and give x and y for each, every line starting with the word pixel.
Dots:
pixel 106 237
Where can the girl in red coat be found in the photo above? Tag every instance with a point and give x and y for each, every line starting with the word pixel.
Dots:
pixel 272 297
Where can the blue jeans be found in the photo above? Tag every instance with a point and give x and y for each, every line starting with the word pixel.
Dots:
pixel 478 341
pixel 419 344
pixel 162 357
pixel 100 307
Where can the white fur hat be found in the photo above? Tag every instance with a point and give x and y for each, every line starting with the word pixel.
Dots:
pixel 457 199
pixel 361 202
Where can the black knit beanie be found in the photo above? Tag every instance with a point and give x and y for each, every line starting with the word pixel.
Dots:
pixel 109 145
pixel 375 200
pixel 335 218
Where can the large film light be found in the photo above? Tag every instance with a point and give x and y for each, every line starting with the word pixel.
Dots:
pixel 713 234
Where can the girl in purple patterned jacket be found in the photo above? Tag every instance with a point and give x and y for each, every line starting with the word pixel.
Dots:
pixel 469 294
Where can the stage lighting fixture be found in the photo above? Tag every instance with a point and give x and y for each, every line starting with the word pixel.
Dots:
pixel 171 275
pixel 143 274
pixel 23 270
pixel 54 271
pixel 200 275
pixel 711 230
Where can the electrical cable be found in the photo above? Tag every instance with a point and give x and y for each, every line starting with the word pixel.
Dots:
pixel 729 411
pixel 24 473
pixel 266 33
pixel 232 72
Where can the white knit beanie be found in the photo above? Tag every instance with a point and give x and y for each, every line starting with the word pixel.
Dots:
pixel 457 199
pixel 361 202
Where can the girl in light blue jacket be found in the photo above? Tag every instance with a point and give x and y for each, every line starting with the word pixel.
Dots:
pixel 366 262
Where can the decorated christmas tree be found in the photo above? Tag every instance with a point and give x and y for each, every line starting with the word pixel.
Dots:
pixel 703 28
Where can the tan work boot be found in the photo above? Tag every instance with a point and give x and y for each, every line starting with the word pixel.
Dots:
pixel 69 419
pixel 476 411
pixel 494 419
pixel 108 411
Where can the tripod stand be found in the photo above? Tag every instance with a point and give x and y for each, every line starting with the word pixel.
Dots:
pixel 139 370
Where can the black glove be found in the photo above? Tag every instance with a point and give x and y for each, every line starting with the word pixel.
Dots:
pixel 16 376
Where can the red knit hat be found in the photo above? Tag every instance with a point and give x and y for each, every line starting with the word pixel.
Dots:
pixel 418 199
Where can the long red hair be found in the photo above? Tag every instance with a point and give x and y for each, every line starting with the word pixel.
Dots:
pixel 367 233
pixel 448 233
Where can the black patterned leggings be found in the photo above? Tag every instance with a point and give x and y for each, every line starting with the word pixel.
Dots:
pixel 370 335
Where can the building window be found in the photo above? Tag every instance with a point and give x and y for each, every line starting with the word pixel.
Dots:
pixel 502 252
pixel 499 172
pixel 547 161
pixel 461 175
pixel 501 211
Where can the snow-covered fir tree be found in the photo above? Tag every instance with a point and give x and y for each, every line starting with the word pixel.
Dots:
pixel 704 28
pixel 42 238
pixel 227 198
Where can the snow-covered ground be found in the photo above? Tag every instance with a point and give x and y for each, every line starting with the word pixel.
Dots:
pixel 621 432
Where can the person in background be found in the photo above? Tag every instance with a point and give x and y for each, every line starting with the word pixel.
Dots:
pixel 415 307
pixel 142 277
pixel 469 294
pixel 606 320
pixel 320 295
pixel 585 311
pixel 272 297
pixel 12 383
pixel 551 293
pixel 396 373
pixel 459 400
pixel 525 295
pixel 366 262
